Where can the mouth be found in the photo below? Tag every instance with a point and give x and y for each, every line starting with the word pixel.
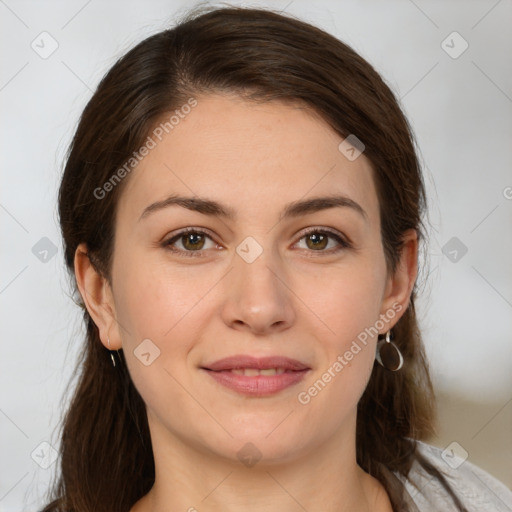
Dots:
pixel 246 362
pixel 257 377
pixel 253 372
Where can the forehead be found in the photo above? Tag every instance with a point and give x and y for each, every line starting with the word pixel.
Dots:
pixel 253 157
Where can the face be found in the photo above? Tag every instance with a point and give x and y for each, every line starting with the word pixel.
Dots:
pixel 304 286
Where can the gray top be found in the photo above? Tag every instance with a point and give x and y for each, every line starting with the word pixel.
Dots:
pixel 477 490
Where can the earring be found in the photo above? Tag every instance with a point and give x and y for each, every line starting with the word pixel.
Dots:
pixel 388 354
pixel 112 357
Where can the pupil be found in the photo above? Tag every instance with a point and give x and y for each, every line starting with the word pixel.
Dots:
pixel 316 239
pixel 190 239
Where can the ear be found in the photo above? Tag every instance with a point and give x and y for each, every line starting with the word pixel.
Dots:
pixel 399 285
pixel 98 298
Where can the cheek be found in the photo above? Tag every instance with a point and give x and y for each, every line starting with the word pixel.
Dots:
pixel 153 304
pixel 143 309
pixel 153 301
pixel 348 300
pixel 349 308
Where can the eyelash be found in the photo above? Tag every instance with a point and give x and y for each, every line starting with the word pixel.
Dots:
pixel 199 253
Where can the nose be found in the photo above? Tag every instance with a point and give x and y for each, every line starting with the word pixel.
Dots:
pixel 258 298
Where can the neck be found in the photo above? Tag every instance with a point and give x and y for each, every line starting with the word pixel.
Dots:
pixel 325 478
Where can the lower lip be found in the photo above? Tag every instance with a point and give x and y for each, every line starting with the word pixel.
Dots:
pixel 258 385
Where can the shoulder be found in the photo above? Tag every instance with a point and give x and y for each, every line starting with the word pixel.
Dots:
pixel 476 489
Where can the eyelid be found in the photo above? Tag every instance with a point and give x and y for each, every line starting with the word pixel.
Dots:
pixel 330 231
pixel 343 241
pixel 167 244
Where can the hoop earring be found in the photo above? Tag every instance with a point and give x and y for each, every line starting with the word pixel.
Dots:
pixel 388 354
pixel 112 357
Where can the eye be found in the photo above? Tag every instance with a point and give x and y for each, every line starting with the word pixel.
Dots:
pixel 192 241
pixel 317 239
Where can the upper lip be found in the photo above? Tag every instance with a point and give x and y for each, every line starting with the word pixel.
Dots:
pixel 259 363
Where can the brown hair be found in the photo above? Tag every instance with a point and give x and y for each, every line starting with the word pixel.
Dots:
pixel 106 455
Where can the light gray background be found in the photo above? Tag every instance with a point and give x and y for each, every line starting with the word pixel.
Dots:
pixel 460 109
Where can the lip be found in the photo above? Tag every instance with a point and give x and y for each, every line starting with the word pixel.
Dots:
pixel 258 385
pixel 258 363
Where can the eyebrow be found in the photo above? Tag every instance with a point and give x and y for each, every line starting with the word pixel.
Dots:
pixel 291 210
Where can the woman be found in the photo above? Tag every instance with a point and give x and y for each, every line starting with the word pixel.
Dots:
pixel 242 212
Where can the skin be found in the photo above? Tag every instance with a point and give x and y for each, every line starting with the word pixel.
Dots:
pixel 254 159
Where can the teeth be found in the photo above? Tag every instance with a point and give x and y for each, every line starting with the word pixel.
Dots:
pixel 253 372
